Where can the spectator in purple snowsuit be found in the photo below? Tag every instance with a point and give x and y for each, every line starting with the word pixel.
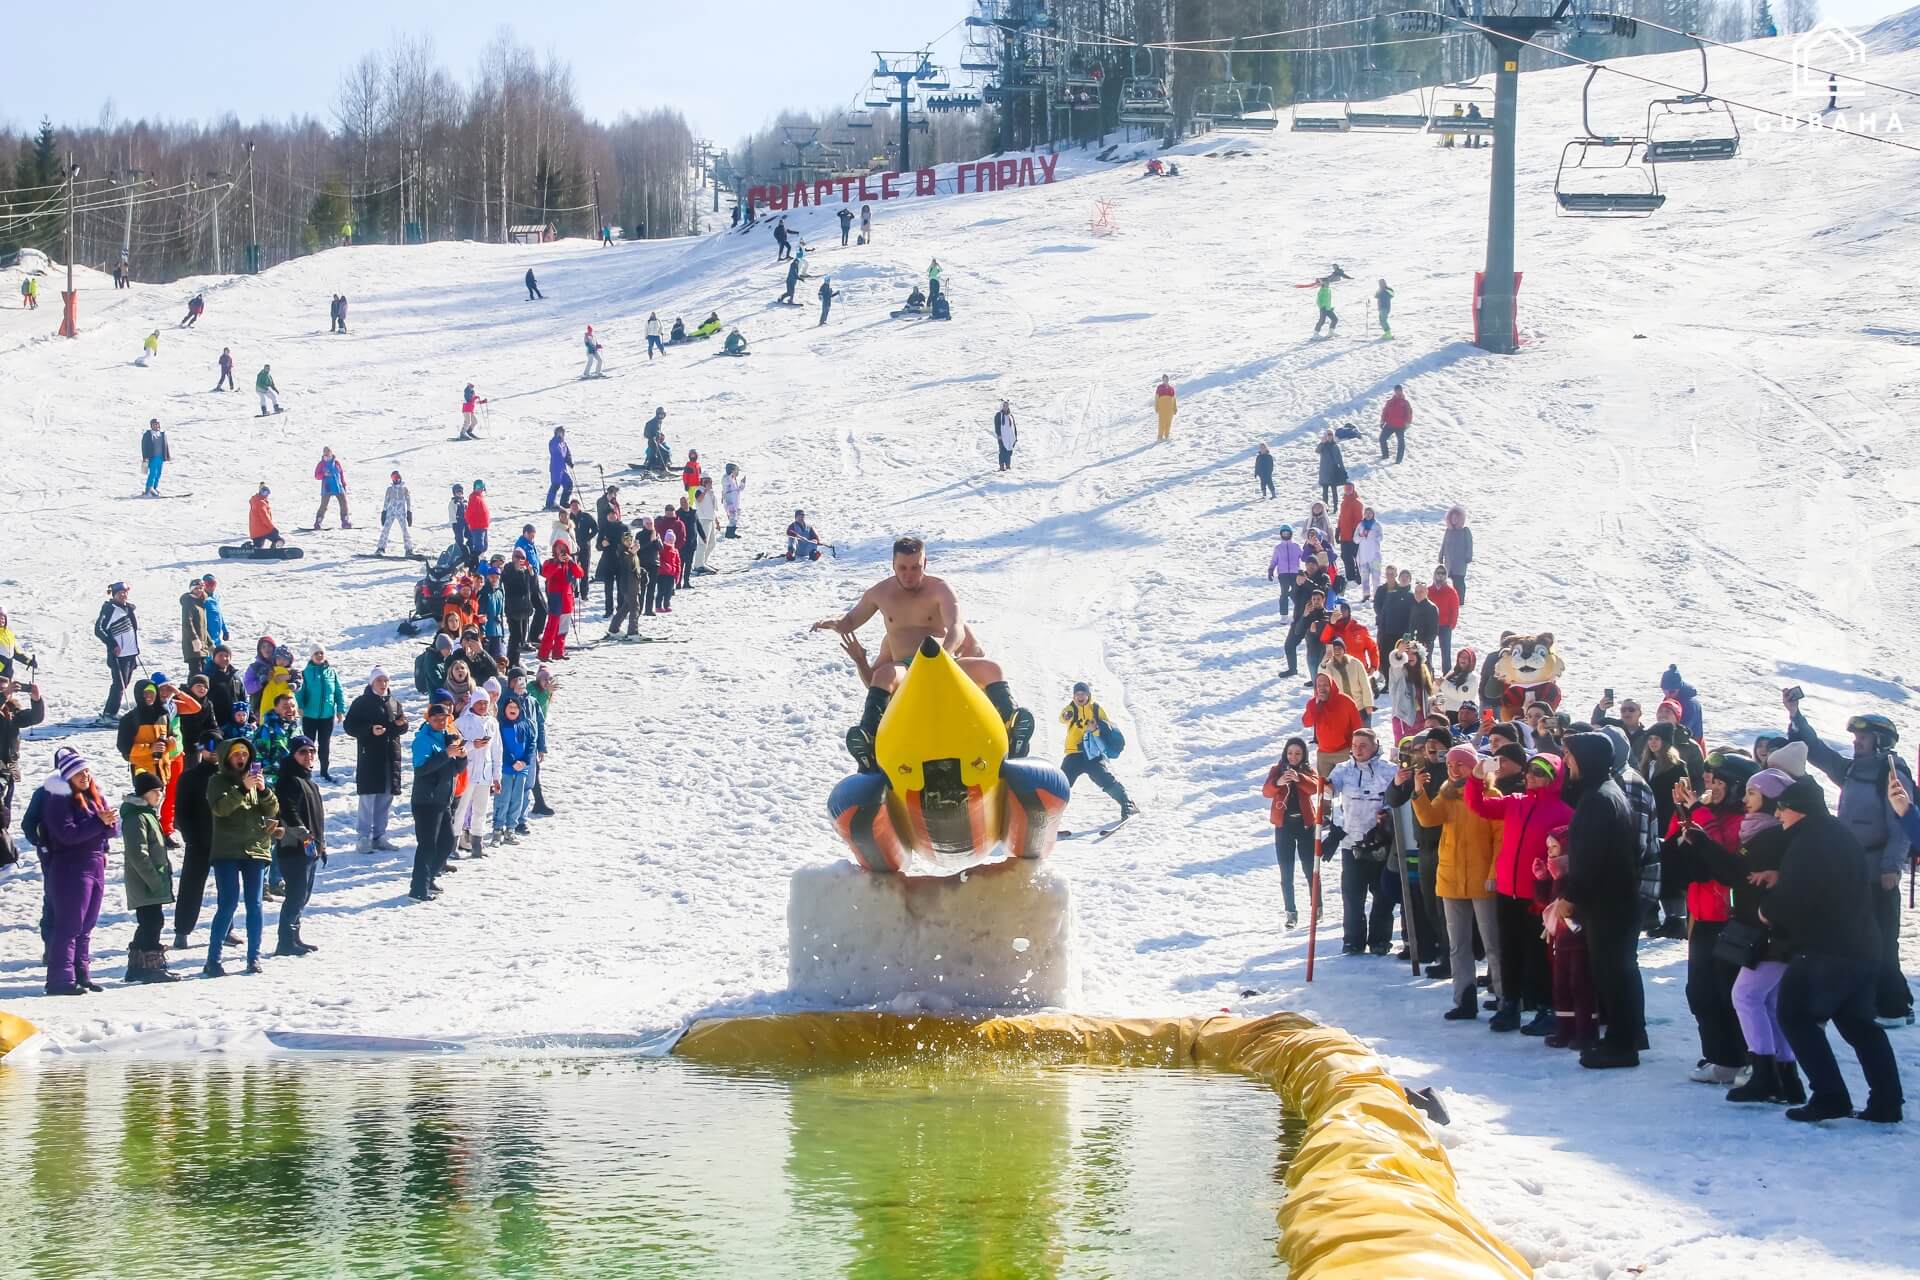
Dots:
pixel 559 470
pixel 78 826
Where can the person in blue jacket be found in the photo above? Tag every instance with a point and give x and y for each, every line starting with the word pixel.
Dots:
pixel 1677 690
pixel 322 704
pixel 154 452
pixel 559 470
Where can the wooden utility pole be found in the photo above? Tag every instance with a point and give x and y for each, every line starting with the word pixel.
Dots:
pixel 70 300
pixel 253 224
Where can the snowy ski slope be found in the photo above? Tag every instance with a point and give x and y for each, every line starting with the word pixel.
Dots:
pixel 1703 457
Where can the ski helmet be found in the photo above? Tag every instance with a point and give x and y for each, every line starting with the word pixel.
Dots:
pixel 1879 726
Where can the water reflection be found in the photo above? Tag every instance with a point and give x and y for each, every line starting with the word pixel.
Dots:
pixel 611 1166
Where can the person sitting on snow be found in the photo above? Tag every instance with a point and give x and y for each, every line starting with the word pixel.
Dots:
pixel 260 526
pixel 709 326
pixel 942 309
pixel 917 300
pixel 735 344
pixel 679 331
pixel 802 542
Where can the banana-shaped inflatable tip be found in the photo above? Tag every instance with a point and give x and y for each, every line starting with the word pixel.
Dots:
pixel 939 714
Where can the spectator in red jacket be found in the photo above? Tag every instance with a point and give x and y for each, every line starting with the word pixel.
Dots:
pixel 559 573
pixel 690 474
pixel 1347 628
pixel 1351 511
pixel 1395 418
pixel 478 522
pixel 1333 717
pixel 1447 600
pixel 669 575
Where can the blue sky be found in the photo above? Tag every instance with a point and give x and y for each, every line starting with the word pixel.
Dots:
pixel 728 66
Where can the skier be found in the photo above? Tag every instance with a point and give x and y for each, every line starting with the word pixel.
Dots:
pixel 780 238
pixel 396 508
pixel 1383 299
pixel 533 287
pixel 846 224
pixel 802 542
pixel 30 293
pixel 469 413
pixel 333 484
pixel 606 236
pixel 260 527
pixel 226 371
pixel 1005 434
pixel 1395 417
pixel 153 450
pixel 593 357
pixel 1165 404
pixel 827 296
pixel 559 471
pixel 1474 138
pixel 269 393
pixel 194 308
pixel 733 484
pixel 1323 299
pixel 119 630
pixel 1086 748
pixel 653 335
pixel 915 607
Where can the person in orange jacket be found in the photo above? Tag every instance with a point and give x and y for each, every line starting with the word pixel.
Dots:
pixel 1334 718
pixel 1351 511
pixel 1395 417
pixel 1345 627
pixel 260 526
pixel 690 474
pixel 479 520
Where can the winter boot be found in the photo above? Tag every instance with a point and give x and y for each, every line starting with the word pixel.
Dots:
pixel 1508 1018
pixel 1879 1111
pixel 1792 1089
pixel 136 965
pixel 1542 1024
pixel 287 945
pixel 1762 1086
pixel 1562 1037
pixel 1440 969
pixel 1818 1109
pixel 1466 1011
pixel 860 747
pixel 157 967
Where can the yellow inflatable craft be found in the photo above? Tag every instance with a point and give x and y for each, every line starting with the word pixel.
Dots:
pixel 946 797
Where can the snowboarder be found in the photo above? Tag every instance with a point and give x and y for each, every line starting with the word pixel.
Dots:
pixel 593 356
pixel 533 287
pixel 559 470
pixel 396 509
pixel 260 527
pixel 149 350
pixel 1165 404
pixel 846 224
pixel 470 403
pixel 1005 434
pixel 1086 748
pixel 732 485
pixel 709 326
pixel 226 371
pixel 735 344
pixel 269 393
pixel 827 296
pixel 1323 299
pixel 1395 417
pixel 653 335
pixel 333 484
pixel 1383 300
pixel 153 450
pixel 780 238
pixel 194 308
pixel 915 607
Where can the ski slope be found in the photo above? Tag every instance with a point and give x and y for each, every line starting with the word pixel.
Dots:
pixel 1702 456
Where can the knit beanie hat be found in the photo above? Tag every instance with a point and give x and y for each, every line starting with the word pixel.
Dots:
pixel 72 766
pixel 1464 756
pixel 1770 782
pixel 1790 759
pixel 1512 751
pixel 1803 796
pixel 144 782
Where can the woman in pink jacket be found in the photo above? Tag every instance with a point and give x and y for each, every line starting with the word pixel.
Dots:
pixel 1526 820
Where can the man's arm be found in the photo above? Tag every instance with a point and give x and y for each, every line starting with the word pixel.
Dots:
pixel 950 618
pixel 854 619
pixel 1819 754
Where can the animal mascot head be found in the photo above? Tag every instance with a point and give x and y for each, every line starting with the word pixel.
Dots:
pixel 1530 669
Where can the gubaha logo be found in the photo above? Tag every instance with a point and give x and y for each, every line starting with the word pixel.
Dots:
pixel 1821 55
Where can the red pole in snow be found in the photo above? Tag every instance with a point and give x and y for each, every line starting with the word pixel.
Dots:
pixel 1313 887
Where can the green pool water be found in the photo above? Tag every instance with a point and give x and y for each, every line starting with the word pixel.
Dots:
pixel 605 1166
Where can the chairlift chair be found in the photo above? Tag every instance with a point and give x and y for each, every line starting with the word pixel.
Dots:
pixel 1693 126
pixel 859 120
pixel 1319 117
pixel 1244 107
pixel 1440 117
pixel 1604 176
pixel 1401 88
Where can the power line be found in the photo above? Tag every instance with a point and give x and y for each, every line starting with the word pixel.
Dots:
pixel 1789 62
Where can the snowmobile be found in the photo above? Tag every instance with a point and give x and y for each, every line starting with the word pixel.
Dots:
pixel 437 585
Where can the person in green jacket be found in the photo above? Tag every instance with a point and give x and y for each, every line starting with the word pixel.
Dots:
pixel 149 878
pixel 1323 299
pixel 269 394
pixel 322 704
pixel 245 823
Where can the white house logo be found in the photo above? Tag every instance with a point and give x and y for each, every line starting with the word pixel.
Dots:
pixel 1826 45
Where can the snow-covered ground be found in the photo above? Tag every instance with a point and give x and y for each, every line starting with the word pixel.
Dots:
pixel 1702 457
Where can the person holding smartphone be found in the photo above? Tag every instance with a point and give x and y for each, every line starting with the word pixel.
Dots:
pixel 245 824
pixel 1293 788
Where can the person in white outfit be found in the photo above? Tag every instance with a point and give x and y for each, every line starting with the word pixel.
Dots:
pixel 396 510
pixel 732 485
pixel 653 336
pixel 706 509
pixel 473 814
pixel 1005 434
pixel 1366 536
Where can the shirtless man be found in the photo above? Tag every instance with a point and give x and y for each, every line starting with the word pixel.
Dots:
pixel 913 606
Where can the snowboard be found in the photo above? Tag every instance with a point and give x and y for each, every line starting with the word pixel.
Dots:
pixel 906 311
pixel 136 497
pixel 374 555
pixel 269 553
pixel 1098 834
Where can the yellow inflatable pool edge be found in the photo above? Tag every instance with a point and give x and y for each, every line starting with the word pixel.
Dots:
pixel 1370 1193
pixel 14 1032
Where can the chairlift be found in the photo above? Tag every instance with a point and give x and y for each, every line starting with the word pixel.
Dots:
pixel 1603 176
pixel 1394 88
pixel 1692 126
pixel 1238 105
pixel 1143 95
pixel 1465 96
pixel 1321 117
